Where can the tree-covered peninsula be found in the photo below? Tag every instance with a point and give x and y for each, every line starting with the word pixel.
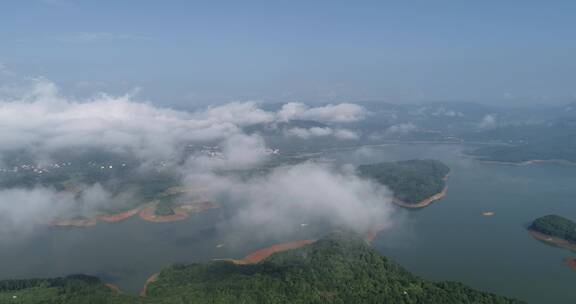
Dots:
pixel 412 181
pixel 74 289
pixel 555 226
pixel 340 268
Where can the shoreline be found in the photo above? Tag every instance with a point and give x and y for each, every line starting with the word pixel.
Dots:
pixel 79 223
pixel 551 240
pixel 571 262
pixel 117 217
pixel 149 214
pixel 115 289
pixel 89 222
pixel 528 162
pixel 153 278
pixel 181 212
pixel 146 212
pixel 371 234
pixel 424 203
pixel 263 253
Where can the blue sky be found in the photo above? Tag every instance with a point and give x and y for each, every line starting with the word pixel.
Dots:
pixel 188 52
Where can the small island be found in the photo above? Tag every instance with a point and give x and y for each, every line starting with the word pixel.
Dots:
pixel 554 230
pixel 162 211
pixel 172 204
pixel 415 183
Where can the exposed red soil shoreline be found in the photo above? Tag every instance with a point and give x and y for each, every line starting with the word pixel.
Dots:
pixel 153 278
pixel 111 218
pixel 147 213
pixel 262 254
pixel 73 223
pixel 115 289
pixel 258 256
pixel 180 212
pixel 552 240
pixel 571 262
pixel 88 222
pixel 371 235
pixel 424 203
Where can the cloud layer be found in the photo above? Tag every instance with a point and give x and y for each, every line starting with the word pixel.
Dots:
pixel 199 145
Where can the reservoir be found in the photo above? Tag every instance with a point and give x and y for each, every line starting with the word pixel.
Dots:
pixel 449 240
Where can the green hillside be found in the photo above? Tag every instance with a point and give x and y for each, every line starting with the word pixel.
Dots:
pixel 411 181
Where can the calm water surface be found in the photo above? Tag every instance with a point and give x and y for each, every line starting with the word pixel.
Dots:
pixel 449 240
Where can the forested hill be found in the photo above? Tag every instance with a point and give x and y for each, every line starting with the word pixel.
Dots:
pixel 340 268
pixel 411 181
pixel 74 289
pixel 556 226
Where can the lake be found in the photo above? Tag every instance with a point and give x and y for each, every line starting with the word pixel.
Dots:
pixel 449 240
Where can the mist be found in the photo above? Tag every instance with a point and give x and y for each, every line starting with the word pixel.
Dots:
pixel 204 149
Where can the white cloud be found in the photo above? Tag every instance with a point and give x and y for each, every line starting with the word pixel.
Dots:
pixel 237 152
pixel 40 119
pixel 488 122
pixel 339 113
pixel 307 133
pixel 403 128
pixel 44 120
pixel 24 210
pixel 281 199
pixel 345 134
pixel 239 113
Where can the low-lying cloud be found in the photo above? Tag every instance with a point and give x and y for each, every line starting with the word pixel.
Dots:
pixel 198 145
pixel 307 133
pixel 340 113
pixel 280 200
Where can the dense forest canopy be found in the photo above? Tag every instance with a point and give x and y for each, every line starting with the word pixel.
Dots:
pixel 74 289
pixel 340 268
pixel 556 226
pixel 411 181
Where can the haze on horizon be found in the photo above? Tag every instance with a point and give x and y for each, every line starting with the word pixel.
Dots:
pixel 188 53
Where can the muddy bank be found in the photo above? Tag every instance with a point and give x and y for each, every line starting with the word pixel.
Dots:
pixel 371 235
pixel 424 203
pixel 181 212
pixel 73 223
pixel 115 289
pixel 111 218
pixel 262 254
pixel 147 213
pixel 153 278
pixel 571 262
pixel 89 222
pixel 554 241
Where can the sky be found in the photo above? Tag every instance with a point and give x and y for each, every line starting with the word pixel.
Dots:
pixel 204 52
